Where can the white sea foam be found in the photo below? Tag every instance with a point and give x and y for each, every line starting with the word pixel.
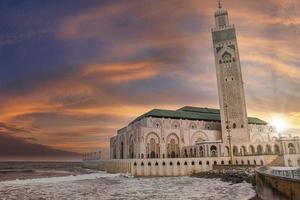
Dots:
pixel 119 186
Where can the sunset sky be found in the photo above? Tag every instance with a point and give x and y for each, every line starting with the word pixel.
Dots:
pixel 73 72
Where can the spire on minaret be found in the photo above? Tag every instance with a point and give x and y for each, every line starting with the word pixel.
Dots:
pixel 219 4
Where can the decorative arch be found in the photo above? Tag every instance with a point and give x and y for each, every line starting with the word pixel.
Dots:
pixel 131 146
pixel 114 147
pixel 276 149
pixel 198 137
pixel 243 150
pixel 259 149
pixel 291 148
pixel 235 150
pixel 213 151
pixel 152 148
pixel 173 150
pixel 121 141
pixel 201 151
pixel 268 149
pixel 252 149
pixel 175 125
pixel 257 138
pixel 192 125
pixel 157 123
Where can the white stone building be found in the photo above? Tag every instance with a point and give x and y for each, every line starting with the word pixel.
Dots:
pixel 192 132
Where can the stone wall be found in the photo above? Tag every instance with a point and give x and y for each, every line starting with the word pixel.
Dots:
pixel 172 166
pixel 277 188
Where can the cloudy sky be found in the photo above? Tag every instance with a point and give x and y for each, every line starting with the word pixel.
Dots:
pixel 73 72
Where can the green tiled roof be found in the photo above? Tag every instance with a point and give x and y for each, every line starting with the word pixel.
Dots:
pixel 192 113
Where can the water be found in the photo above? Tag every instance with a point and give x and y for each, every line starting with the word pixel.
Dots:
pixel 104 186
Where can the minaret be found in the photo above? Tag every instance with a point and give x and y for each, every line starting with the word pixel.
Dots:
pixel 229 77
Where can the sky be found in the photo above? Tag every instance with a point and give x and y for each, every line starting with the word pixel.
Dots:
pixel 74 72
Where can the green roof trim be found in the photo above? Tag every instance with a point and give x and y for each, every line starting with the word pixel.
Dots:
pixel 192 113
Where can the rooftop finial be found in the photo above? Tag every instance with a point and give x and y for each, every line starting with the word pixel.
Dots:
pixel 219 5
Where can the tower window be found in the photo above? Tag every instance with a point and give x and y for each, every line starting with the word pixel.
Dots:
pixel 232 79
pixel 233 59
pixel 242 126
pixel 226 79
pixel 220 61
pixel 234 125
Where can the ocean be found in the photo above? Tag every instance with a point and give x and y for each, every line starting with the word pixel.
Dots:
pixel 52 180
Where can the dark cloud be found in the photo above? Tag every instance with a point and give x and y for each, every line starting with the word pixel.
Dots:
pixel 11 146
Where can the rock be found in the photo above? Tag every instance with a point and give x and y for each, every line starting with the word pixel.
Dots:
pixel 230 175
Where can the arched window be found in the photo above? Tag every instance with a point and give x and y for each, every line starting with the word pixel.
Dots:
pixel 234 125
pixel 292 149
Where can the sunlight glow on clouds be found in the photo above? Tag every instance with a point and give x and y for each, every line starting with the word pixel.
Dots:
pixel 93 67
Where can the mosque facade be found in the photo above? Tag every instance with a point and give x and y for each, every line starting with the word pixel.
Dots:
pixel 195 132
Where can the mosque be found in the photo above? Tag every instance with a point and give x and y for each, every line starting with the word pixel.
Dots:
pixel 192 135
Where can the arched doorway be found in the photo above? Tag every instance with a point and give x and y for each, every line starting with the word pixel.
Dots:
pixel 243 150
pixel 122 150
pixel 213 151
pixel 268 149
pixel 259 149
pixel 201 151
pixel 252 149
pixel 235 150
pixel 152 148
pixel 173 146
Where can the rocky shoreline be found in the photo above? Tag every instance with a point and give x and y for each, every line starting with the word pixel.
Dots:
pixel 230 175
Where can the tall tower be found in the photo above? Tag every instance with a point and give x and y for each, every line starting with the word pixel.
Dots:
pixel 229 77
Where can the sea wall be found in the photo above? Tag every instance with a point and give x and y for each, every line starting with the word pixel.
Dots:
pixel 172 166
pixel 276 187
